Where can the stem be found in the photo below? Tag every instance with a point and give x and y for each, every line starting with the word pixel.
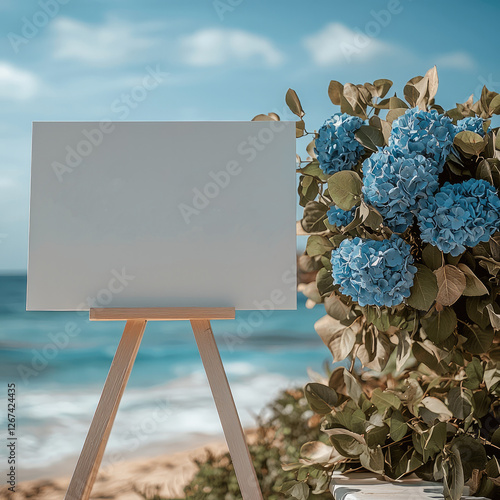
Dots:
pixel 396 442
pixel 488 443
pixel 351 369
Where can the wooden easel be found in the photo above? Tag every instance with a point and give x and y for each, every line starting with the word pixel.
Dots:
pixel 90 459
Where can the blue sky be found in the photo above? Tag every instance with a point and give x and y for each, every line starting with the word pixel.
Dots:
pixel 215 60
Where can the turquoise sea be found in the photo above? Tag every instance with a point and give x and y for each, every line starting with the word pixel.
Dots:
pixel 59 361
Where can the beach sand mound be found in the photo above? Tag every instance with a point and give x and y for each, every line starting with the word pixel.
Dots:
pixel 165 475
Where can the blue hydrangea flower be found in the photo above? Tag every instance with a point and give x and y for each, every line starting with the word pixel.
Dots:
pixel 460 215
pixel 394 183
pixel 340 218
pixel 378 273
pixel 336 147
pixel 423 132
pixel 471 123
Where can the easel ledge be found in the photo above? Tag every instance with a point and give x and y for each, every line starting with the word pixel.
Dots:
pixel 161 313
pixel 85 474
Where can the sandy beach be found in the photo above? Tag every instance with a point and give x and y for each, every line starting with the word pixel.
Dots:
pixel 165 475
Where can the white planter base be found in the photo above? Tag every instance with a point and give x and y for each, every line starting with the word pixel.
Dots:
pixel 365 486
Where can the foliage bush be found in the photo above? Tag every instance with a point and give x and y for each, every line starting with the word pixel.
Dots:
pixel 285 426
pixel 422 328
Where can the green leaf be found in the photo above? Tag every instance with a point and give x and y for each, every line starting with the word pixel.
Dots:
pixel 353 388
pixel 424 354
pixel 433 440
pixel 474 287
pixel 313 168
pixel 347 446
pixel 426 87
pixel 370 216
pixel 314 215
pixel 470 142
pixel 347 443
pixel 324 281
pixel 398 426
pixel 293 103
pixel 403 352
pixel 495 246
pixel 481 403
pixel 335 92
pixel 346 107
pixel 451 284
pixel 332 332
pixel 459 403
pixel 373 459
pixel 377 436
pixel 432 257
pixel 494 354
pixel 300 491
pixel 385 399
pixel 494 317
pixel 370 137
pixel 382 86
pixel 271 117
pixel 337 337
pixel 354 98
pixel 472 454
pixel 317 245
pixel 494 106
pixel 478 340
pixel 402 463
pixel 477 312
pixel 397 103
pixel 310 150
pixel 436 406
pixel 493 467
pixel 300 128
pixel 337 309
pixel 453 480
pixel 383 318
pixel 321 398
pixel 489 170
pixel 308 189
pixel 495 438
pixel 355 223
pixel 411 94
pixel 475 373
pixel 377 355
pixel 424 289
pixel 351 417
pixel 345 188
pixel 439 325
pixel 316 451
pixel 393 114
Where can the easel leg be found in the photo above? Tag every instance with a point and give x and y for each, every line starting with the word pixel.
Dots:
pixel 90 459
pixel 235 437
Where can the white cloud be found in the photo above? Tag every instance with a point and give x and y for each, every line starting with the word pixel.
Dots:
pixel 109 44
pixel 336 45
pixel 216 47
pixel 16 83
pixel 456 60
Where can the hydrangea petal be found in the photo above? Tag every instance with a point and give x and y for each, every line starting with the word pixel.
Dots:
pixel 336 146
pixel 424 132
pixel 340 218
pixel 460 215
pixel 395 182
pixel 374 272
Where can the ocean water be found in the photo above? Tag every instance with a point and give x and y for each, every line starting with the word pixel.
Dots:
pixel 59 361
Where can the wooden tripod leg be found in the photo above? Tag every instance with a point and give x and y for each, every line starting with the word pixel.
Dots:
pixel 93 449
pixel 235 437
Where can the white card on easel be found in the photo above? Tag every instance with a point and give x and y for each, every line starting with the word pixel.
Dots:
pixel 162 214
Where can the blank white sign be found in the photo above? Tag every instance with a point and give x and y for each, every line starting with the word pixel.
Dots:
pixel 162 214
